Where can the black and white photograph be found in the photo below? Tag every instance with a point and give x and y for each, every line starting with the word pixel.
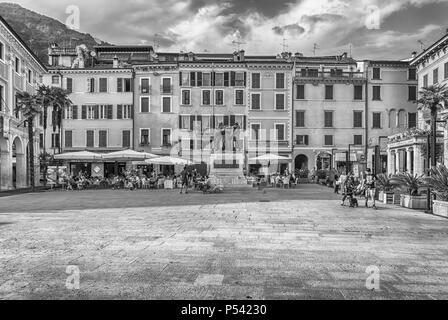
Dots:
pixel 253 152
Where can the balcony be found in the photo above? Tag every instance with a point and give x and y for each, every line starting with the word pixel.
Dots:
pixel 147 90
pixel 268 145
pixel 335 75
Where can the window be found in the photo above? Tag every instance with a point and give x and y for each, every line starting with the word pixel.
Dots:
pixel 376 120
pixel 302 140
pixel 90 112
pixel 166 86
pixel 186 97
pixel 144 85
pixel 145 105
pixel 68 114
pixel 412 93
pixel 239 97
pixel 192 79
pixel 255 131
pixel 358 92
pixel 185 79
pixel 105 112
pixel 280 132
pixel 144 137
pixel 412 74
pixel 219 79
pixel 300 119
pixel 239 80
pixel 126 138
pixel 412 120
pixel 255 101
pixel 124 85
pixel 2 51
pixel 17 65
pixel 446 71
pixel 435 76
pixel 68 139
pixel 54 79
pixel 329 92
pixel 300 92
pixel 30 75
pixel 425 81
pixel 357 119
pixel 280 81
pixel 357 139
pixel 103 84
pixel 328 140
pixel 328 119
pixel 91 85
pixel 219 97
pixel 279 101
pixel 206 96
pixel 206 79
pixel 55 140
pixel 376 74
pixel 124 111
pixel 90 138
pixel 376 93
pixel 186 122
pixel 256 80
pixel 41 139
pixel 102 135
pixel 166 104
pixel 69 85
pixel 166 137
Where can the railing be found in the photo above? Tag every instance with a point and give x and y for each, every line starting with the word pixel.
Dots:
pixel 329 74
pixel 145 90
pixel 166 89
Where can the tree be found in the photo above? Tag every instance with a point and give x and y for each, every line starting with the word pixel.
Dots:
pixel 433 98
pixel 29 106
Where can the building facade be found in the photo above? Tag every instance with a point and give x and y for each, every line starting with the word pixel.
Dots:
pixel 408 150
pixel 20 71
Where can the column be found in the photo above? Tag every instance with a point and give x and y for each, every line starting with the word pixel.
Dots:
pixel 397 161
pixel 390 161
pixel 418 161
pixel 5 169
pixel 409 160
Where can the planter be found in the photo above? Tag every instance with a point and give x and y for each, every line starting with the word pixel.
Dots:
pixel 413 202
pixel 440 208
pixel 302 180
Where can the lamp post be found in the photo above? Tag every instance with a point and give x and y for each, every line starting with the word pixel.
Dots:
pixel 349 162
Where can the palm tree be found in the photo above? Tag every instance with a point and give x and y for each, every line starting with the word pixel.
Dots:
pixel 433 98
pixel 30 108
pixel 411 183
pixel 438 181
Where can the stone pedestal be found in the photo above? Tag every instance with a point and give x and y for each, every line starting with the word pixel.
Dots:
pixel 227 170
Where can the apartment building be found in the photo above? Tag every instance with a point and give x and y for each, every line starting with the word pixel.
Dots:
pixel 101 117
pixel 408 150
pixel 329 113
pixel 20 71
pixel 270 108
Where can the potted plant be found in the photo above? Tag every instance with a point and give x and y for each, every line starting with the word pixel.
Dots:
pixel 411 184
pixel 385 187
pixel 438 182
pixel 302 176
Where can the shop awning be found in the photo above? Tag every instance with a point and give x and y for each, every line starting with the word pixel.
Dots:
pixel 128 155
pixel 81 155
pixel 342 157
pixel 169 161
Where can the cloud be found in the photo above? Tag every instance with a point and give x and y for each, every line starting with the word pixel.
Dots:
pixel 292 29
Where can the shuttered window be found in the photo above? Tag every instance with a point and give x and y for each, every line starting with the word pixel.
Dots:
pixel 280 132
pixel 90 139
pixel 144 104
pixel 69 85
pixel 280 101
pixel 376 120
pixel 358 92
pixel 256 80
pixel 68 139
pixel 328 140
pixel 300 119
pixel 376 74
pixel 328 119
pixel 206 97
pixel 126 139
pixel 412 93
pixel 412 120
pixel 255 101
pixel 300 92
pixel 219 97
pixel 166 104
pixel 144 86
pixel 280 80
pixel 186 99
pixel 144 137
pixel 357 119
pixel 302 140
pixel 239 97
pixel 102 135
pixel 329 92
pixel 91 85
pixel 357 140
pixel 376 93
pixel 103 84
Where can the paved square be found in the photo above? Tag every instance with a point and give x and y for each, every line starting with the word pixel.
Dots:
pixel 296 244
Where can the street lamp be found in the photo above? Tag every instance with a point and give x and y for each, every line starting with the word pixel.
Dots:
pixel 349 162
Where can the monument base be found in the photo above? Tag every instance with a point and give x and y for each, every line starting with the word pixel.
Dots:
pixel 227 170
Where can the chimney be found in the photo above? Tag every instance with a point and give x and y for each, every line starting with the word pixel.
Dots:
pixel 241 55
pixel 115 63
pixel 235 56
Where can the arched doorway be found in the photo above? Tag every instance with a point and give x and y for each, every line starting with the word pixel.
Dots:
pixel 5 164
pixel 18 164
pixel 301 162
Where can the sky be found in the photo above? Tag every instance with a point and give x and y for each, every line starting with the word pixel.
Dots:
pixel 369 29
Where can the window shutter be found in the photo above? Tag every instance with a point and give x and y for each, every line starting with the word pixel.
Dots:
pixel 226 120
pixel 199 119
pixel 193 79
pixel 69 85
pixel 213 122
pixel 84 112
pixel 199 80
pixel 110 112
pixel 120 85
pixel 232 78
pixel 89 84
pixel 306 140
pixel 213 79
pixel 75 112
pixel 119 111
pixel 226 79
pixel 132 111
pixel 244 122
pixel 232 120
pixel 64 112
pixel 180 78
pixel 180 122
pixel 96 111
pixel 192 119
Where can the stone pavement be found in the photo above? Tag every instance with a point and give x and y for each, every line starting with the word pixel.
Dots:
pixel 217 247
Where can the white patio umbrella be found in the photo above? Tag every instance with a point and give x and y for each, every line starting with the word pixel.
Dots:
pixel 270 157
pixel 168 161
pixel 128 155
pixel 81 155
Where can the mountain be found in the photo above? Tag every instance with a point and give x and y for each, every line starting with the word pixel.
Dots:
pixel 39 31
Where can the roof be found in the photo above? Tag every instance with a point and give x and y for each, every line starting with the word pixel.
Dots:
pixel 133 48
pixel 443 41
pixel 23 43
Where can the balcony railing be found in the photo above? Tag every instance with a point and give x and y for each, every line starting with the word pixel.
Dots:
pixel 166 89
pixel 339 74
pixel 145 90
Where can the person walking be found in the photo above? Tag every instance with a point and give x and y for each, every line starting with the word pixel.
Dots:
pixel 185 180
pixel 369 185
